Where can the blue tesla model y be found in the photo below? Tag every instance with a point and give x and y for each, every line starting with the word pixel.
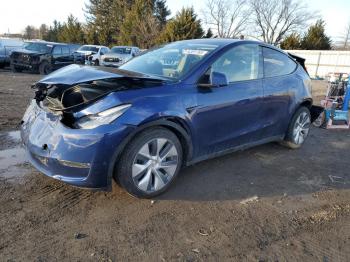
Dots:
pixel 172 106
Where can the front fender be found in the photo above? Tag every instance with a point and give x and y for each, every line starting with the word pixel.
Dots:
pixel 172 123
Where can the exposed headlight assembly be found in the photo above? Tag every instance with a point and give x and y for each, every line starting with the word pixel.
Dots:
pixel 102 118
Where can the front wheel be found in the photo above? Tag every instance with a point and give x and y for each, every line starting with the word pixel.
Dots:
pixel 15 69
pixel 150 163
pixel 298 129
pixel 44 68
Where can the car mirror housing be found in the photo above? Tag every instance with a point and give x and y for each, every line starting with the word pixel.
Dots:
pixel 215 79
pixel 218 79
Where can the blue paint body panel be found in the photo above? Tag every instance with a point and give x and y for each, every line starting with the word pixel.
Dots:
pixel 215 119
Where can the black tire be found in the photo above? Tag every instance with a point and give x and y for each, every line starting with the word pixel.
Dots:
pixel 15 69
pixel 320 121
pixel 96 62
pixel 290 138
pixel 123 172
pixel 45 68
pixel 2 65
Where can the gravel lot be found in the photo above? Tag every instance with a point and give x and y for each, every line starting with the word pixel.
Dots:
pixel 264 204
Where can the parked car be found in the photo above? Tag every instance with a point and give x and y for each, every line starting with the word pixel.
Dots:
pixel 43 57
pixel 140 123
pixel 7 45
pixel 119 55
pixel 90 54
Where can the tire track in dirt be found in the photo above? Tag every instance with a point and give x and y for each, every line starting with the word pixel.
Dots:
pixel 298 228
pixel 64 198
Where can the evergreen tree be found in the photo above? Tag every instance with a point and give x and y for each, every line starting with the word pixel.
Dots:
pixel 72 31
pixel 316 38
pixel 291 42
pixel 104 18
pixel 209 34
pixel 185 25
pixel 53 32
pixel 141 26
pixel 161 12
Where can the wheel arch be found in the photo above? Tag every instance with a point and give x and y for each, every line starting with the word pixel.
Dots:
pixel 307 102
pixel 174 124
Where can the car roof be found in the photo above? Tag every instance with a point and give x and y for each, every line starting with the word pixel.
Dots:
pixel 126 46
pixel 222 42
pixel 52 43
pixel 98 46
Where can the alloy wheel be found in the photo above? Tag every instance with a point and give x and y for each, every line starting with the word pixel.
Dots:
pixel 155 165
pixel 301 128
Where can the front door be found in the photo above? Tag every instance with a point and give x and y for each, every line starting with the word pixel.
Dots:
pixel 230 116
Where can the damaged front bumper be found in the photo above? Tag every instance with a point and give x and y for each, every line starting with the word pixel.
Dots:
pixel 26 66
pixel 83 158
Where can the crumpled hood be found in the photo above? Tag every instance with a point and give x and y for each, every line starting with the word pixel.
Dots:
pixel 75 87
pixel 75 74
pixel 28 52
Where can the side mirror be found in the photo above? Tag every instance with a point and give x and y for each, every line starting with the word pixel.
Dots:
pixel 215 79
pixel 218 79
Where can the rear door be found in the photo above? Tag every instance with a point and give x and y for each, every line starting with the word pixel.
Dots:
pixel 57 59
pixel 229 116
pixel 67 56
pixel 279 80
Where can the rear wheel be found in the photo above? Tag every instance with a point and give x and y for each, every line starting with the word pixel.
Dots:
pixel 44 68
pixel 321 120
pixel 298 129
pixel 150 163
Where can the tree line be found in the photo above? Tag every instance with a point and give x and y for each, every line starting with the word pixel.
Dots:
pixel 146 23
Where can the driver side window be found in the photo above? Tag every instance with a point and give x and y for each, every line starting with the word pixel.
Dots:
pixel 240 63
pixel 57 50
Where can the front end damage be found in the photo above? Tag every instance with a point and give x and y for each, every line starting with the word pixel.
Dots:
pixel 80 155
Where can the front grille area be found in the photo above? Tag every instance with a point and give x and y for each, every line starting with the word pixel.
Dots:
pixel 111 59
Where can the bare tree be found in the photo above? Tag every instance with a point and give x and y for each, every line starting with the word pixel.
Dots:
pixel 274 19
pixel 30 32
pixel 226 18
pixel 346 37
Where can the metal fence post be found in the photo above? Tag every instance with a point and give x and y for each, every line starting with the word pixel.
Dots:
pixel 318 63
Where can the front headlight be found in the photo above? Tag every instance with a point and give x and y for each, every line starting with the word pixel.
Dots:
pixel 102 118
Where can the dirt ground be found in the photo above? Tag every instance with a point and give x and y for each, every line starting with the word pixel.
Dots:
pixel 264 204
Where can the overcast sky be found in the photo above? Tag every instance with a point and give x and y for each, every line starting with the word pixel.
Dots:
pixel 16 14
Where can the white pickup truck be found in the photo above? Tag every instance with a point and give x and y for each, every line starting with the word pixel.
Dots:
pixel 7 45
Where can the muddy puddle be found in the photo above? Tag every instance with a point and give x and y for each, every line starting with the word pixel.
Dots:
pixel 12 157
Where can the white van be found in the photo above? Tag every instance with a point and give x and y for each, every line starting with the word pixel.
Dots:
pixel 7 45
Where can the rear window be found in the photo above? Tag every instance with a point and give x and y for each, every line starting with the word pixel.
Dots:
pixel 277 63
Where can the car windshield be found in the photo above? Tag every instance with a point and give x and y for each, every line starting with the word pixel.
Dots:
pixel 39 47
pixel 88 48
pixel 121 50
pixel 171 61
